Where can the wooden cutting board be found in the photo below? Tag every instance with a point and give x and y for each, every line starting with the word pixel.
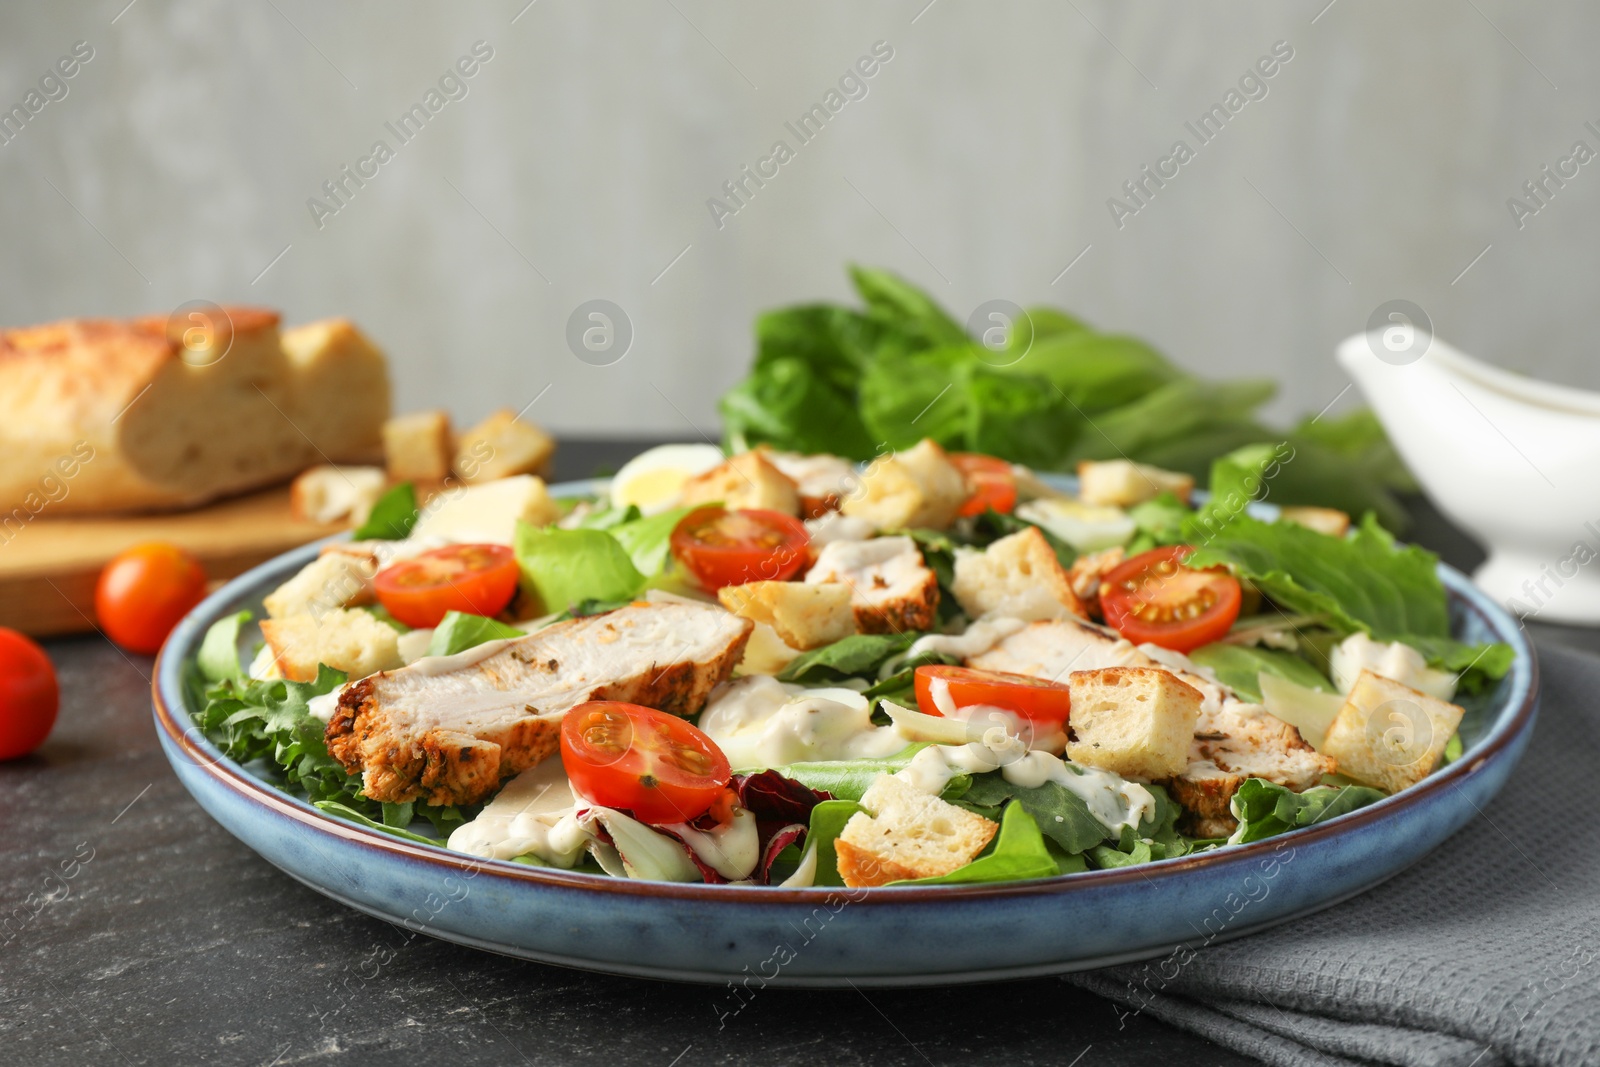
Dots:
pixel 48 568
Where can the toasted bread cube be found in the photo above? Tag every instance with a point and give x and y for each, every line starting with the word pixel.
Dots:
pixel 905 833
pixel 1390 735
pixel 805 615
pixel 1018 576
pixel 891 589
pixel 1122 483
pixel 488 512
pixel 500 446
pixel 747 480
pixel 328 494
pixel 331 581
pixel 1135 721
pixel 1330 521
pixel 917 487
pixel 351 641
pixel 416 448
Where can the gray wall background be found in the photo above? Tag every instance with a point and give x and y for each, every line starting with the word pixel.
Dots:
pixel 979 163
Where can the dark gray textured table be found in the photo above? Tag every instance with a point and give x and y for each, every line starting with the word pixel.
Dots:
pixel 137 931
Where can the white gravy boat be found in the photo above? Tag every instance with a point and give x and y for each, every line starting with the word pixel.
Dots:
pixel 1513 460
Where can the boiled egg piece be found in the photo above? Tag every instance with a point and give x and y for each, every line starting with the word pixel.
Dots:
pixel 1085 527
pixel 653 480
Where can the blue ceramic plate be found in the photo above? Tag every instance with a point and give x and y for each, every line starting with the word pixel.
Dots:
pixel 819 937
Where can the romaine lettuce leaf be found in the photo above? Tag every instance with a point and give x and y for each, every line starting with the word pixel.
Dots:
pixel 1239 667
pixel 1096 372
pixel 787 404
pixel 565 567
pixel 392 517
pixel 1265 809
pixel 458 631
pixel 849 779
pixel 892 299
pixel 218 658
pixel 1362 582
pixel 856 656
pixel 827 823
pixel 648 540
pixel 1061 814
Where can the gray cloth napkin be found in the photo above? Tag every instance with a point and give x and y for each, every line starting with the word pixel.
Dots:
pixel 1487 952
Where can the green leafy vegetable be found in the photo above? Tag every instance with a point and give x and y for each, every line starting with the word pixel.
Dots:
pixel 458 631
pixel 827 823
pixel 856 656
pixel 1061 814
pixel 850 779
pixel 1362 582
pixel 218 658
pixel 1265 809
pixel 787 404
pixel 392 517
pixel 1239 667
pixel 345 811
pixel 648 540
pixel 1018 852
pixel 914 313
pixel 564 567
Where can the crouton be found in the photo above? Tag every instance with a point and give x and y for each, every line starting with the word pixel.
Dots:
pixel 327 494
pixel 332 581
pixel 1330 521
pixel 1088 571
pixel 804 614
pixel 905 833
pixel 1018 576
pixel 891 589
pixel 351 641
pixel 1122 483
pixel 500 446
pixel 1135 721
pixel 744 481
pixel 1390 735
pixel 416 448
pixel 917 487
pixel 488 512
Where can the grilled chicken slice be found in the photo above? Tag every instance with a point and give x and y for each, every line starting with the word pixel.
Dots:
pixel 891 589
pixel 1233 740
pixel 449 731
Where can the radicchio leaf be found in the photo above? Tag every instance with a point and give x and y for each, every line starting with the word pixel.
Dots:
pixel 793 834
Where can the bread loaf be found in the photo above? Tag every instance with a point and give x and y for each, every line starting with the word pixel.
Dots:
pixel 153 417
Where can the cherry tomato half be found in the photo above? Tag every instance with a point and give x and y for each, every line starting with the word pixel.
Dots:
pixel 29 695
pixel 1154 598
pixel 733 547
pixel 1035 699
pixel 144 592
pixel 475 579
pixel 991 481
pixel 661 768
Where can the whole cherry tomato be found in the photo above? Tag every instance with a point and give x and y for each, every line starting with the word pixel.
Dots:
pixel 144 592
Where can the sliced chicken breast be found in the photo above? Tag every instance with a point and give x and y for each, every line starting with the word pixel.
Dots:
pixel 448 731
pixel 891 588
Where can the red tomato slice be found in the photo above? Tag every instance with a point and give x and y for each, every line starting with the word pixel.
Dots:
pixel 29 695
pixel 1154 598
pixel 475 579
pixel 733 547
pixel 143 593
pixel 991 480
pixel 657 766
pixel 1035 699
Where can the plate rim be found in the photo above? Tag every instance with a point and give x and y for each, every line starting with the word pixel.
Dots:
pixel 167 693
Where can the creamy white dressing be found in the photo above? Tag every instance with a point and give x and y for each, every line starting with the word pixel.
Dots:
pixel 324 706
pixel 533 814
pixel 433 666
pixel 413 644
pixel 979 638
pixel 759 721
pixel 804 875
pixel 837 526
pixel 732 850
pixel 1111 799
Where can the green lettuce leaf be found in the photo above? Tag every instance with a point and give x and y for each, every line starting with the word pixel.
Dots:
pixel 648 540
pixel 1061 814
pixel 1265 809
pixel 849 779
pixel 392 517
pixel 856 656
pixel 218 658
pixel 893 300
pixel 1018 852
pixel 458 631
pixel 787 404
pixel 565 567
pixel 837 343
pixel 1239 667
pixel 1096 372
pixel 827 823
